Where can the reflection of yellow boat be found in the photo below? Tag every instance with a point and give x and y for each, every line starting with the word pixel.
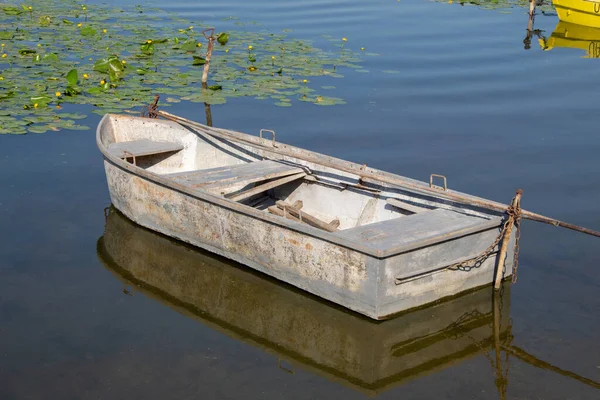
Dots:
pixel 577 37
pixel 581 12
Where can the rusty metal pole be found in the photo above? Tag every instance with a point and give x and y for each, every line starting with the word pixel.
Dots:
pixel 211 41
pixel 516 205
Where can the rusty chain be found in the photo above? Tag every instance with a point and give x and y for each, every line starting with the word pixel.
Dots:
pixel 513 215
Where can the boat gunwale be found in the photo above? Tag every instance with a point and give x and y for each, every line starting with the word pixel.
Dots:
pixel 491 223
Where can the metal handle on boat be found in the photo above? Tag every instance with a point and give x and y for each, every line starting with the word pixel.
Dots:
pixel 431 185
pixel 268 130
pixel 290 371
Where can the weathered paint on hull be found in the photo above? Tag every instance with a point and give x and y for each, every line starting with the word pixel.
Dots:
pixel 352 279
pixel 370 357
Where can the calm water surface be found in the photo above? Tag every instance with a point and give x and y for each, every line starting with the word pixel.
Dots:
pixel 87 312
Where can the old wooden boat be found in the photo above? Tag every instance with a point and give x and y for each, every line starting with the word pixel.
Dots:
pixel 325 225
pixel 580 12
pixel 367 356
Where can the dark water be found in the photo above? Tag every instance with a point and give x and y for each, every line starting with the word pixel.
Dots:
pixel 465 100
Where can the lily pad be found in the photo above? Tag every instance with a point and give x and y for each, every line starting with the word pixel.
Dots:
pixel 108 59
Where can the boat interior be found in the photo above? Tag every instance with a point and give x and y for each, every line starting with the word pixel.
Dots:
pixel 288 187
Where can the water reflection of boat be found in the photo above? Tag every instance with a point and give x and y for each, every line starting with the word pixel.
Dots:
pixel 297 327
pixel 580 12
pixel 575 36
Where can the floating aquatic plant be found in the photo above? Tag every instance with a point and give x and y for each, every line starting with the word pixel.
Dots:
pixel 58 54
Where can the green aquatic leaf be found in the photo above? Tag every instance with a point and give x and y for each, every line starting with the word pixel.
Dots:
pixel 115 65
pixel 25 52
pixel 45 21
pixel 6 35
pixel 50 58
pixel 189 46
pixel 7 95
pixel 223 38
pixel 72 77
pixel 215 87
pixel 87 31
pixel 41 100
pixel 147 48
pixel 9 10
pixel 199 60
pixel 38 128
pixel 72 91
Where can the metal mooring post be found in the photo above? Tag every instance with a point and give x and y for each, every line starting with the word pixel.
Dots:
pixel 513 213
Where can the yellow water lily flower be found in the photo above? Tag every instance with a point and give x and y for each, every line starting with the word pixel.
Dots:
pixel 35 105
pixel 84 7
pixel 305 81
pixel 102 82
pixel 79 25
pixel 250 47
pixel 4 55
pixel 362 48
pixel 58 94
pixel 252 68
pixel 30 8
pixel 272 57
pixel 123 62
pixel 58 107
pixel 39 45
pixel 85 76
pixel 344 39
pixel 104 31
pixel 199 44
pixel 148 41
pixel 226 50
pixel 2 44
pixel 1 78
pixel 191 27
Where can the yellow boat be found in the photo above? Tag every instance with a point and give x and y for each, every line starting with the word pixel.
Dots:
pixel 575 36
pixel 581 12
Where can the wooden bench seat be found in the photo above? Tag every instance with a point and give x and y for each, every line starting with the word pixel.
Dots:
pixel 142 147
pixel 234 177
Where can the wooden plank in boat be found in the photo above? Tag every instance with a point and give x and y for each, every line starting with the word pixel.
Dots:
pixel 234 175
pixel 414 231
pixel 142 147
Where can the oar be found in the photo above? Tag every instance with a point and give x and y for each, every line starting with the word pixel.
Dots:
pixel 368 174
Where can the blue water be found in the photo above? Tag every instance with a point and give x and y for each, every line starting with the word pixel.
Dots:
pixel 465 99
